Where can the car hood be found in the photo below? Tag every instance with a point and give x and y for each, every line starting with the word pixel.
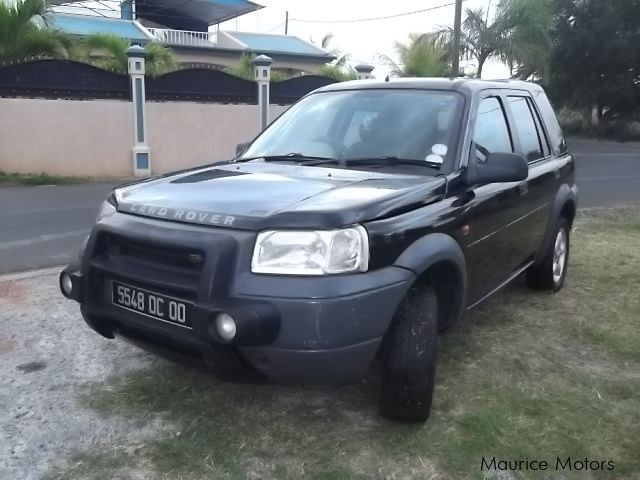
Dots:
pixel 257 195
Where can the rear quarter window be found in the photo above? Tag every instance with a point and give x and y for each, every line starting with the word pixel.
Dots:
pixel 558 143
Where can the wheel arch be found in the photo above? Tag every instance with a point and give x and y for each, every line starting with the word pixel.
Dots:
pixel 438 260
pixel 565 204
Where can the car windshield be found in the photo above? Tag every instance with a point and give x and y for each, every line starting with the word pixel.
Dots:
pixel 359 124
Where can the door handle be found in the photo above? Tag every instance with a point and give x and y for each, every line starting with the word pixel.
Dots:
pixel 523 188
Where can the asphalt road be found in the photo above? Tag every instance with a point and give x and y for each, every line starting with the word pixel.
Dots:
pixel 44 226
pixel 607 173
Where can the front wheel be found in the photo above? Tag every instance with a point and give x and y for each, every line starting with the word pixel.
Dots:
pixel 550 273
pixel 409 358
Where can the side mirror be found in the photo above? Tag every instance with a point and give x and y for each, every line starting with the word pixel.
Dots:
pixel 498 168
pixel 241 147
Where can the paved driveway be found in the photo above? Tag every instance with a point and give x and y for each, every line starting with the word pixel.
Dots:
pixel 44 226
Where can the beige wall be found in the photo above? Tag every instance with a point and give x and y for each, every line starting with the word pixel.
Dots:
pixel 183 134
pixel 211 58
pixel 65 137
pixel 94 137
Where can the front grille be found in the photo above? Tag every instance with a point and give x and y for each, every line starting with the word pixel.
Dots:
pixel 162 256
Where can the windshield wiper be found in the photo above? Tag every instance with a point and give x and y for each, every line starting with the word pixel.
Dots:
pixel 293 157
pixel 383 160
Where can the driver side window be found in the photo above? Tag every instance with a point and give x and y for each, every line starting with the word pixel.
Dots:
pixel 491 133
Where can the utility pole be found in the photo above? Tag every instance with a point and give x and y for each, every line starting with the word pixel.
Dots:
pixel 457 25
pixel 286 23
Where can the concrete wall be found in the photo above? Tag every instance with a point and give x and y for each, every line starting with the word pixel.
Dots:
pixel 94 137
pixel 213 57
pixel 183 134
pixel 65 137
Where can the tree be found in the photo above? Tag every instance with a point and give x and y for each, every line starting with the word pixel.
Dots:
pixel 339 69
pixel 479 39
pixel 527 47
pixel 340 73
pixel 245 69
pixel 518 34
pixel 109 51
pixel 25 31
pixel 595 61
pixel 425 55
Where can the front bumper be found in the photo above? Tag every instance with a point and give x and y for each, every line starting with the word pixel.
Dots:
pixel 295 330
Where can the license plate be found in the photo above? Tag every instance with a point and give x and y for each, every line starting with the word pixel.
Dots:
pixel 154 305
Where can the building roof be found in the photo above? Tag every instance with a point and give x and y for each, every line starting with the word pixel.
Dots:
pixel 195 15
pixel 263 43
pixel 192 14
pixel 88 25
pixel 232 43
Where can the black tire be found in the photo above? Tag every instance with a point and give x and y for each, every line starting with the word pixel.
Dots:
pixel 541 276
pixel 409 358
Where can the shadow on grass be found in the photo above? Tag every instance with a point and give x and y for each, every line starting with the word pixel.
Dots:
pixel 527 375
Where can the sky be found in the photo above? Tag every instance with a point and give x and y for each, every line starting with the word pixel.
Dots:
pixel 364 39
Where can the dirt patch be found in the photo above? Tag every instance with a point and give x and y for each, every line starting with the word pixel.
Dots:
pixel 6 345
pixel 12 292
pixel 32 367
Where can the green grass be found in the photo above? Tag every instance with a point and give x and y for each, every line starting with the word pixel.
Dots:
pixel 40 179
pixel 529 374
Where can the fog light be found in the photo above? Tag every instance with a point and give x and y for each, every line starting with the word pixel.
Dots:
pixel 66 284
pixel 226 326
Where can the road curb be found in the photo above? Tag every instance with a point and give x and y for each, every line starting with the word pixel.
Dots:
pixel 9 277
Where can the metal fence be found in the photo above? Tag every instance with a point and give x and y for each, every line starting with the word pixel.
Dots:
pixel 201 85
pixel 74 80
pixel 61 79
pixel 291 90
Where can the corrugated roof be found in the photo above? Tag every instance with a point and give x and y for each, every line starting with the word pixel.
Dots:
pixel 261 42
pixel 88 25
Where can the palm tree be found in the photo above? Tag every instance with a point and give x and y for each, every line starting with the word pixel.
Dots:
pixel 25 31
pixel 479 39
pixel 245 69
pixel 526 25
pixel 109 51
pixel 425 55
pixel 339 69
pixel 340 73
pixel 482 40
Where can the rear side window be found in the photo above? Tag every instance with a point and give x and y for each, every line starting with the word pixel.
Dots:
pixel 546 149
pixel 491 133
pixel 558 144
pixel 525 125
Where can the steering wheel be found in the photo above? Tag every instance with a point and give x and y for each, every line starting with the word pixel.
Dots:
pixel 337 147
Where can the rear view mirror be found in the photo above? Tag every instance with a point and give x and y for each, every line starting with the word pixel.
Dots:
pixel 498 168
pixel 241 147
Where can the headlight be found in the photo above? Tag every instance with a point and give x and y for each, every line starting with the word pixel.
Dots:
pixel 108 207
pixel 316 252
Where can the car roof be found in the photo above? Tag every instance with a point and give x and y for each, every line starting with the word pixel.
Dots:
pixel 463 85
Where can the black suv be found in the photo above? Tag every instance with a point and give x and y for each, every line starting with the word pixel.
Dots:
pixel 364 220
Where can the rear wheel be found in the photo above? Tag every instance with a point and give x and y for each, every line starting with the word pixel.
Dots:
pixel 550 273
pixel 409 358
